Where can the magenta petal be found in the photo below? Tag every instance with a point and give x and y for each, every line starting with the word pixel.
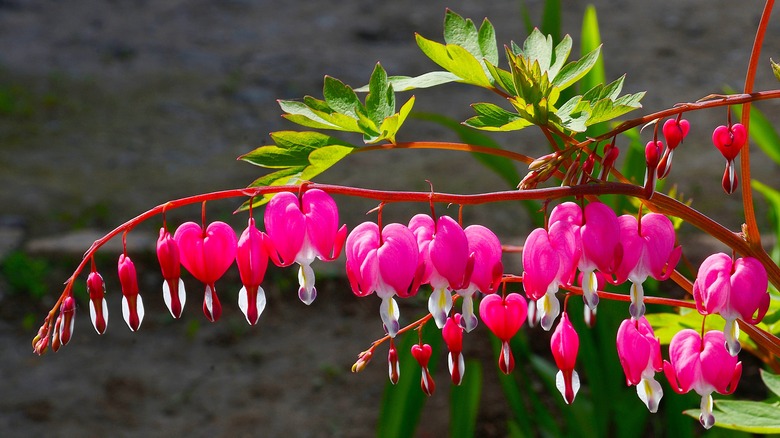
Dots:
pixel 322 221
pixel 598 236
pixel 634 351
pixel 398 258
pixel 449 252
pixel 658 232
pixel 719 368
pixel 219 250
pixel 565 344
pixel 189 239
pixel 251 256
pixel 503 316
pixel 541 264
pixel 488 268
pixel 684 351
pixel 749 286
pixel 361 247
pixel 712 287
pixel 285 225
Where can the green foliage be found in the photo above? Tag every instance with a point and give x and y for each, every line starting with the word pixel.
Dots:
pixel 772 197
pixel 464 401
pixel 749 416
pixel 341 109
pixel 25 275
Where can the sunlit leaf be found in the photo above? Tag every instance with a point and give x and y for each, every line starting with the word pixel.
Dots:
pixel 746 416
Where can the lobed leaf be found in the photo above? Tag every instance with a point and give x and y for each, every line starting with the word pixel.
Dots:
pixel 746 416
pixel 456 60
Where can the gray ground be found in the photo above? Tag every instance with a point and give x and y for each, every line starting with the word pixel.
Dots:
pixel 116 106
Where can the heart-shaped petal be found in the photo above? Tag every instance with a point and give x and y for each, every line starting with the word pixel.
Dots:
pixel 206 255
pixel 675 132
pixel 503 316
pixel 729 140
pixel 422 354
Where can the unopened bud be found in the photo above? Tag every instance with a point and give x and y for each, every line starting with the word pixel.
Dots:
pixel 363 359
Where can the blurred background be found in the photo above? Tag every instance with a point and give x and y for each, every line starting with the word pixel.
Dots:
pixel 108 108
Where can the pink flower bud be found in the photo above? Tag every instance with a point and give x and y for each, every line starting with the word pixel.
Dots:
pixel 252 260
pixel 98 308
pixel 565 344
pixel 453 337
pixel 393 364
pixel 132 304
pixel 174 294
pixel 67 313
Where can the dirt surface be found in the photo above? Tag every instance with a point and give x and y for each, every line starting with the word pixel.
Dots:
pixel 108 108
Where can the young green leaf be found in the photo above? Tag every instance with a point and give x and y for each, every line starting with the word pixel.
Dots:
pixel 576 70
pixel 456 60
pixel 340 97
pixel 745 416
pixel 492 117
pixel 380 101
pixel 487 42
pixel 425 80
pixel 461 32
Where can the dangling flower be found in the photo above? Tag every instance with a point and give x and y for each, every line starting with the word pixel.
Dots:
pixel 422 354
pixel 734 290
pixel 252 260
pixel 565 344
pixel 386 264
pixel 67 319
pixel 504 316
pixel 444 250
pixel 648 251
pixel 98 308
pixel 589 315
pixel 393 364
pixel 729 141
pixel 487 272
pixel 453 337
pixel 207 255
pixel 549 261
pixel 174 294
pixel 302 230
pixel 703 365
pixel 640 355
pixel 601 249
pixel 132 304
pixel 675 130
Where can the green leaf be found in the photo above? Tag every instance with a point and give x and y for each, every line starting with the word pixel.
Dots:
pixel 339 96
pixel 426 80
pixel 576 70
pixel 456 60
pixel 560 55
pixel 772 381
pixel 551 18
pixel 775 69
pixel 763 132
pixel 746 416
pixel 380 101
pixel 464 401
pixel 538 48
pixel 302 114
pixel 492 117
pixel 299 155
pixel 461 32
pixel 590 41
pixel 503 78
pixel 487 42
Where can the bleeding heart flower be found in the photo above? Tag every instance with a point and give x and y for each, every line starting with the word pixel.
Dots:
pixel 98 308
pixel 674 132
pixel 393 365
pixel 444 250
pixel 386 264
pixel 734 290
pixel 422 354
pixel 174 294
pixel 504 316
pixel 132 304
pixel 601 249
pixel 729 141
pixel 703 365
pixel 640 355
pixel 252 260
pixel 207 255
pixel 302 230
pixel 486 275
pixel 565 344
pixel 453 337
pixel 648 251
pixel 67 315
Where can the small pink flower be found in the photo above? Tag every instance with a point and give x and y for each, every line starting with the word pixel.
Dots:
pixel 648 251
pixel 98 308
pixel 504 316
pixel 207 255
pixel 703 365
pixel 729 140
pixel 453 337
pixel 640 355
pixel 549 261
pixel 444 250
pixel 393 364
pixel 174 294
pixel 734 290
pixel 302 230
pixel 132 304
pixel 386 264
pixel 565 344
pixel 487 272
pixel 252 260
pixel 422 354
pixel 674 132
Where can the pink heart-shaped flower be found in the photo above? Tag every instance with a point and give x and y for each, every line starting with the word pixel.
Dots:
pixel 675 131
pixel 729 140
pixel 503 316
pixel 422 354
pixel 206 255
